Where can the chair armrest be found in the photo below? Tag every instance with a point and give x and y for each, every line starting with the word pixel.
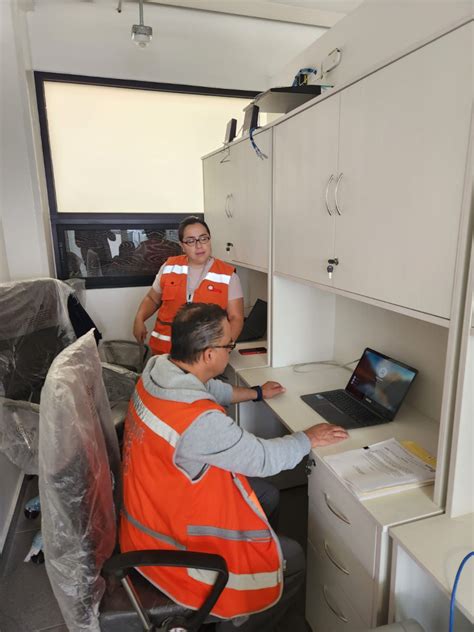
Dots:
pixel 121 564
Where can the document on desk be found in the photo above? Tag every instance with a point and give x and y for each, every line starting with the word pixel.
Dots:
pixel 384 468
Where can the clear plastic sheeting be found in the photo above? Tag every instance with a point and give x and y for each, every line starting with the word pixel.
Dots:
pixel 34 328
pixel 119 383
pixel 78 462
pixel 125 353
pixel 19 424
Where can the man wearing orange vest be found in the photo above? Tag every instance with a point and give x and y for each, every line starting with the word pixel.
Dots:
pixel 186 465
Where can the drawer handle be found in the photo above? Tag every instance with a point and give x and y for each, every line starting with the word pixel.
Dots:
pixel 339 615
pixel 338 514
pixel 333 559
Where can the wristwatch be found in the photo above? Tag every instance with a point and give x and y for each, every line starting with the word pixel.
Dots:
pixel 259 397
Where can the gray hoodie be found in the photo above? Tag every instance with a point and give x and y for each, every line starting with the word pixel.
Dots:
pixel 214 438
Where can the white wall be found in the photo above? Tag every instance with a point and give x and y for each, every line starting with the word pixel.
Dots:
pixel 25 230
pixel 375 32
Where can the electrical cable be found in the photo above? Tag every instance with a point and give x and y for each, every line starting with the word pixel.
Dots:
pixel 453 593
pixel 258 151
pixel 303 71
pixel 296 367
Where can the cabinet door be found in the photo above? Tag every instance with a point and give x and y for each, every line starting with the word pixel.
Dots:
pixel 305 158
pixel 252 203
pixel 217 172
pixel 403 144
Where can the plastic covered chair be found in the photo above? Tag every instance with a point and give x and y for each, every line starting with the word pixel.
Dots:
pixel 79 482
pixel 40 318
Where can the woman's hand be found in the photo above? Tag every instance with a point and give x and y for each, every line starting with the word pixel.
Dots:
pixel 139 330
pixel 270 389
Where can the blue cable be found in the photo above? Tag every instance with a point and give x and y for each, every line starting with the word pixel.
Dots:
pixel 258 151
pixel 303 71
pixel 453 594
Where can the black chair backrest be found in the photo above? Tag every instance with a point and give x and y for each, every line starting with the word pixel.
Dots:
pixel 34 328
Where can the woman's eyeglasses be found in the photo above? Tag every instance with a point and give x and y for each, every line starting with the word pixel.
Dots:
pixel 192 241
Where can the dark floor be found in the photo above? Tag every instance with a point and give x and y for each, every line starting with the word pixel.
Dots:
pixel 27 603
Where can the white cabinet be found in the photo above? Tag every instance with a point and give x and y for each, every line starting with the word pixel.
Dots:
pixel 389 155
pixel 237 201
pixel 347 540
pixel 402 152
pixel 305 168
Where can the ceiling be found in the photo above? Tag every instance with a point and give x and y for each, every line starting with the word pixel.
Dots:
pixel 323 13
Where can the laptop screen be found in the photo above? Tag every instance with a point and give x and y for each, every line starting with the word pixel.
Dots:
pixel 381 382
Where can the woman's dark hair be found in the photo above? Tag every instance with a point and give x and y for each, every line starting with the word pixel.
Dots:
pixel 189 221
pixel 196 326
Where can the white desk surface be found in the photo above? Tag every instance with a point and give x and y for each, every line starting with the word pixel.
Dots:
pixel 438 545
pixel 239 362
pixel 409 425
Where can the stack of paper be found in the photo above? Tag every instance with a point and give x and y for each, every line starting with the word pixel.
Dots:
pixel 384 468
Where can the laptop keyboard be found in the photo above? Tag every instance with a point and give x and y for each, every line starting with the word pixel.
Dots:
pixel 351 407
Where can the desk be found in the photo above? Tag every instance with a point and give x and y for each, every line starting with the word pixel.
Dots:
pixel 426 556
pixel 348 541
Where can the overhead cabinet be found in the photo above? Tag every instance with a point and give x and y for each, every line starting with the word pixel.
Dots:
pixel 372 177
pixel 237 201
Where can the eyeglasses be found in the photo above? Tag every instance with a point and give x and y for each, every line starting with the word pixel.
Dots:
pixel 192 241
pixel 230 347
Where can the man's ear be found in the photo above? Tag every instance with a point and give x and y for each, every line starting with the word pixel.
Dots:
pixel 207 355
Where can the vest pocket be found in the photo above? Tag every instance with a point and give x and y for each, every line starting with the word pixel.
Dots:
pixel 169 292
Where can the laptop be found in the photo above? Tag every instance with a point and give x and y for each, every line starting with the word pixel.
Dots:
pixel 255 325
pixel 372 396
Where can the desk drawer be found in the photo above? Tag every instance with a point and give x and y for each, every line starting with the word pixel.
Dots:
pixel 341 564
pixel 338 515
pixel 327 607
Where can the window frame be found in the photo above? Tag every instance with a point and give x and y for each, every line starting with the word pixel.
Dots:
pixel 61 221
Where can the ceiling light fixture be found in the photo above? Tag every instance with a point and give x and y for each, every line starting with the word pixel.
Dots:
pixel 141 34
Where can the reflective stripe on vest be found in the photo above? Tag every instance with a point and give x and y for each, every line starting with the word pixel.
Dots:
pixel 155 334
pixel 175 269
pixel 155 424
pixel 248 581
pixel 218 278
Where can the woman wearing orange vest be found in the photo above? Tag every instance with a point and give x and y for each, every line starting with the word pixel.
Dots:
pixel 185 477
pixel 195 277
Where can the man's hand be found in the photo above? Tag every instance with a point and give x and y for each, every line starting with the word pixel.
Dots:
pixel 325 434
pixel 270 389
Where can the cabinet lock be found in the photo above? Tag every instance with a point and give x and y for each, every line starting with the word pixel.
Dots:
pixel 229 246
pixel 331 264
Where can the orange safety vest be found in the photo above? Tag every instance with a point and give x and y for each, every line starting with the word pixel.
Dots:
pixel 217 512
pixel 214 288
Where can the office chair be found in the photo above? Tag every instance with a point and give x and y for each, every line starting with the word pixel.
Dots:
pixel 79 483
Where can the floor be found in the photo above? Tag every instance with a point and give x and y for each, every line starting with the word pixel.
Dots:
pixel 27 603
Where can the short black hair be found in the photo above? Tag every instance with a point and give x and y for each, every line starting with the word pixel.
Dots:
pixel 196 327
pixel 189 221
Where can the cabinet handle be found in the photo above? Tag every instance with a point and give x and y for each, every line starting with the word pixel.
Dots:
pixel 339 178
pixel 338 514
pixel 331 178
pixel 338 614
pixel 226 206
pixel 333 559
pixel 231 198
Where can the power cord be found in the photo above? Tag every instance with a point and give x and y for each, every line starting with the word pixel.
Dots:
pixel 297 367
pixel 301 72
pixel 455 586
pixel 258 151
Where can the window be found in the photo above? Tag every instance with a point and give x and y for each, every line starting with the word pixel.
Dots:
pixel 123 158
